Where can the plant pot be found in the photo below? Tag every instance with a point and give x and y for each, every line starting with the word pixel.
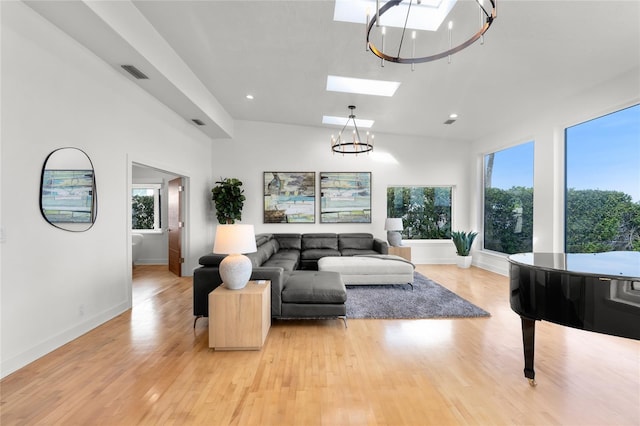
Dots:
pixel 463 261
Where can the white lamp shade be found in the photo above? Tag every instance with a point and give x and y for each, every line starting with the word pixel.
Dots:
pixel 393 224
pixel 235 239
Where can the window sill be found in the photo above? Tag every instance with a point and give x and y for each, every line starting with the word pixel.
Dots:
pixel 148 231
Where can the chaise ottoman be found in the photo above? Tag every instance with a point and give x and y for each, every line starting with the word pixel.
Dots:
pixel 314 294
pixel 370 269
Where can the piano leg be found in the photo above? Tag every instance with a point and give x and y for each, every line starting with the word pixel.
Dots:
pixel 528 343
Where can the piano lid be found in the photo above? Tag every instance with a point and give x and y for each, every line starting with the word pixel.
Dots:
pixel 614 264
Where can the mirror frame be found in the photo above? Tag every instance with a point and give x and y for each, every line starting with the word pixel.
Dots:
pixel 57 178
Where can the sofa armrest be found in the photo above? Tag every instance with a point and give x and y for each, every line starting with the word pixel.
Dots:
pixel 276 276
pixel 380 246
pixel 205 280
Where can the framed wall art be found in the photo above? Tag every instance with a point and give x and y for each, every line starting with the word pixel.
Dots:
pixel 345 197
pixel 289 197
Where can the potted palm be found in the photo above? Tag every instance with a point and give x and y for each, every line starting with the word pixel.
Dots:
pixel 463 242
pixel 229 198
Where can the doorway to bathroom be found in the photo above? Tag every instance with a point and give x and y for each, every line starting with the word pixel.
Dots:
pixel 157 217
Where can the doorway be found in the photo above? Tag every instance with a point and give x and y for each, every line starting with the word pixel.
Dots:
pixel 162 241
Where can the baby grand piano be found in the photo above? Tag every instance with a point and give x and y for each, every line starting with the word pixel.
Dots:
pixel 591 291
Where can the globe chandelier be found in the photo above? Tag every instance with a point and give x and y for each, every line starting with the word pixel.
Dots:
pixel 396 21
pixel 354 144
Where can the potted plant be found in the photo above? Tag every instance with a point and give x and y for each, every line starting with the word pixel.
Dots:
pixel 229 198
pixel 463 242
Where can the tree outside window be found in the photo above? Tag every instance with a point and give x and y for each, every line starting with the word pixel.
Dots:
pixel 425 211
pixel 145 207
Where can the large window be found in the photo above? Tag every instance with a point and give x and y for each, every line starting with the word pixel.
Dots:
pixel 508 200
pixel 145 207
pixel 425 211
pixel 603 183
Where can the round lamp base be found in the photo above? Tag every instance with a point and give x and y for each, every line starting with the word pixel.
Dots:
pixel 235 271
pixel 394 238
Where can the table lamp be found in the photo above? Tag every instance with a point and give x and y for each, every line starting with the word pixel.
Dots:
pixel 235 269
pixel 392 226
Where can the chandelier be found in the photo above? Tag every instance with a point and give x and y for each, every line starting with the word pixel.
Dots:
pixel 353 145
pixel 471 19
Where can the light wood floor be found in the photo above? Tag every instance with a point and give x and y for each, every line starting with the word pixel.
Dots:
pixel 148 366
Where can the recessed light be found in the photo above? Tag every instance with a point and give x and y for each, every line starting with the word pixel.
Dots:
pixel 453 116
pixel 250 97
pixel 361 86
pixel 341 121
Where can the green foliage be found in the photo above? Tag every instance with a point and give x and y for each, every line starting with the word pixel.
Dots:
pixel 601 221
pixel 508 220
pixel 142 212
pixel 425 211
pixel 596 221
pixel 229 198
pixel 463 241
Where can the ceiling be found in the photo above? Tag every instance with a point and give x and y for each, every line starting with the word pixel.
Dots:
pixel 203 57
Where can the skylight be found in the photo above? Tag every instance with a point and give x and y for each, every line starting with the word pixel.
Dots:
pixel 341 121
pixel 425 16
pixel 361 86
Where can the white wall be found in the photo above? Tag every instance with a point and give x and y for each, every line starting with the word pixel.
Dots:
pixel 547 130
pixel 57 285
pixel 262 147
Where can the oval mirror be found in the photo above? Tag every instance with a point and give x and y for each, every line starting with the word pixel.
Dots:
pixel 68 190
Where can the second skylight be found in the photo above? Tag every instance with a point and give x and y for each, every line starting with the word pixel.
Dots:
pixel 361 86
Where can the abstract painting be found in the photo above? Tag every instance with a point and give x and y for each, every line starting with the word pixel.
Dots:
pixel 67 196
pixel 289 197
pixel 345 197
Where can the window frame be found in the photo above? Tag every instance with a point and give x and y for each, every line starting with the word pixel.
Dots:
pixel 452 190
pixel 564 240
pixel 483 191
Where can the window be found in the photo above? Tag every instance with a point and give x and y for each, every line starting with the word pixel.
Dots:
pixel 508 200
pixel 602 193
pixel 425 211
pixel 145 207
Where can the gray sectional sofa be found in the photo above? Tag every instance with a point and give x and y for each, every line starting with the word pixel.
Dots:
pixel 290 262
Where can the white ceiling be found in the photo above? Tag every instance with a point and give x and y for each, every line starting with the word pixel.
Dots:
pixel 203 57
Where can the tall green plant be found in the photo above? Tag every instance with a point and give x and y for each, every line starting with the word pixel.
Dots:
pixel 229 198
pixel 463 241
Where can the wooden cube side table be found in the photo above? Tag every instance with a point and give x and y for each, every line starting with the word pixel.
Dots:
pixel 402 251
pixel 240 319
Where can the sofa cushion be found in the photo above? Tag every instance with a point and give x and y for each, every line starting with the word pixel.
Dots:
pixel 359 241
pixel 314 287
pixel 315 254
pixel 285 259
pixel 357 252
pixel 320 241
pixel 289 241
pixel 263 238
pixel 271 247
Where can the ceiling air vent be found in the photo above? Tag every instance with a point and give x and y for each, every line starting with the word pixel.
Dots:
pixel 198 122
pixel 135 72
pixel 450 121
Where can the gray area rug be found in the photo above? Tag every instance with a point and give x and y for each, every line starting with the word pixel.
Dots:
pixel 427 300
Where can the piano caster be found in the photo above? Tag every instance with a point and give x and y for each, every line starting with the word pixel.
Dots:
pixel 532 382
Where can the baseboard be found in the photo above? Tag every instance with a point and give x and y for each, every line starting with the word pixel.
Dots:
pixel 151 262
